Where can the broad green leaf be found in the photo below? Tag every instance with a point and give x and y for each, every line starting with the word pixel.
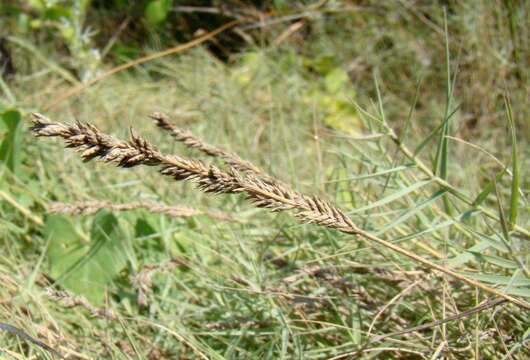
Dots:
pixel 156 11
pixel 86 268
pixel 11 148
pixel 142 228
pixel 149 237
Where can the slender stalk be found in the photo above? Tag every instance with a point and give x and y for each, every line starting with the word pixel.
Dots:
pixel 92 144
pixel 443 183
pixel 91 207
pixel 191 141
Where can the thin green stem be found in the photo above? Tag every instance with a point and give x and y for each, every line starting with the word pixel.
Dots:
pixel 446 185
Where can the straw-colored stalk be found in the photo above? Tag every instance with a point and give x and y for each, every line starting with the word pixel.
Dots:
pixel 92 143
pixel 191 141
pixel 93 206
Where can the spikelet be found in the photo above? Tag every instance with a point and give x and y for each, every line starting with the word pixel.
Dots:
pixel 92 143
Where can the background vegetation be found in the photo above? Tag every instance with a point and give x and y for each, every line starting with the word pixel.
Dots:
pixel 331 97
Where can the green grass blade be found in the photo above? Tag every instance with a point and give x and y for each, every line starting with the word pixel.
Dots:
pixel 419 207
pixel 514 197
pixel 434 133
pixel 483 195
pixel 408 120
pixel 502 217
pixel 442 153
pixel 379 99
pixel 495 260
pixel 468 255
pixel 392 197
pixel 519 291
pixel 433 228
pixel 376 174
pixel 515 280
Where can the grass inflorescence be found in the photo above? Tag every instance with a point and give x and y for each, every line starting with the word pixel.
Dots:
pixel 412 240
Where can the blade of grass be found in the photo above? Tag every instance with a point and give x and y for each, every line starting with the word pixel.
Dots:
pixel 514 197
pixel 514 280
pixel 482 196
pixel 412 212
pixel 434 133
pixel 496 260
pixel 376 174
pixel 392 197
pixel 403 133
pixel 502 217
pixel 442 154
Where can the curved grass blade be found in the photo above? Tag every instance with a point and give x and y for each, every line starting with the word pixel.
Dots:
pixel 419 207
pixel 483 195
pixel 392 197
pixel 514 197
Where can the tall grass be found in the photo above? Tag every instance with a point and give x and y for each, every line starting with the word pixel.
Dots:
pixel 265 286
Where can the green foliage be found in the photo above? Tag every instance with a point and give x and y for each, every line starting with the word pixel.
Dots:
pixel 157 11
pixel 334 97
pixel 11 145
pixel 249 289
pixel 64 20
pixel 86 267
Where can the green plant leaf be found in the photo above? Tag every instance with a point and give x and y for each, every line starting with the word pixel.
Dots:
pixel 86 268
pixel 392 197
pixel 433 133
pixel 468 255
pixel 10 150
pixel 495 260
pixel 336 81
pixel 490 186
pixel 412 212
pixel 502 217
pixel 519 291
pixel 512 281
pixel 156 11
pixel 514 197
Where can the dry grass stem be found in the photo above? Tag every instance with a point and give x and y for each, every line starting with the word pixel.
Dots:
pixel 68 300
pixel 92 143
pixel 143 283
pixel 91 207
pixel 193 142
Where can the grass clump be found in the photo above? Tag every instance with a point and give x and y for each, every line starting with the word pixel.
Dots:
pixel 262 285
